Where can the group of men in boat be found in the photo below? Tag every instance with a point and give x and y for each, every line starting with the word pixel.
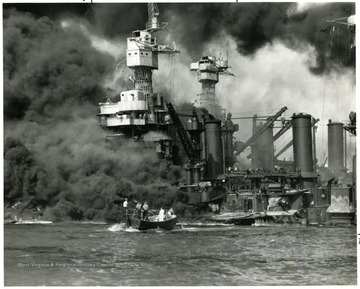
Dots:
pixel 165 214
pixel 142 211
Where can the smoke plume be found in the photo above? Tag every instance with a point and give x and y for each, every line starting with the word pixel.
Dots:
pixel 251 25
pixel 255 25
pixel 55 149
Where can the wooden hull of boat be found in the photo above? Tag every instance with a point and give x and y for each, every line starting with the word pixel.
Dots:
pixel 165 225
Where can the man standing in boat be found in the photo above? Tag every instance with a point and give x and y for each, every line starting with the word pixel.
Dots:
pixel 161 215
pixel 145 208
pixel 138 209
pixel 170 213
pixel 127 220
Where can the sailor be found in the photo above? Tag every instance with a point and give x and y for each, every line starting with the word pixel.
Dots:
pixel 138 209
pixel 125 205
pixel 145 208
pixel 170 212
pixel 161 215
pixel 127 218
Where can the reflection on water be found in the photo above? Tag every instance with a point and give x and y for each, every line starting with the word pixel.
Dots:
pixel 98 254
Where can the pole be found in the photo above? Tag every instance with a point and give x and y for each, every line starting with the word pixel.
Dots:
pixel 223 151
pixel 345 152
pixel 314 127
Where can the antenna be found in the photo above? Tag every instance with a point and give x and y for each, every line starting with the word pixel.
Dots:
pixel 153 24
pixel 227 50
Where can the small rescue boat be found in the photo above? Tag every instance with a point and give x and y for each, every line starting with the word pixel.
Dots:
pixel 152 223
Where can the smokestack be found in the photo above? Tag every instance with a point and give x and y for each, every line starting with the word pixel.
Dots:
pixel 214 149
pixel 303 152
pixel 262 151
pixel 229 128
pixel 336 145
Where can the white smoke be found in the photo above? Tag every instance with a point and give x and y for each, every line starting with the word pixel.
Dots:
pixel 114 48
pixel 274 77
pixel 304 6
pixel 278 76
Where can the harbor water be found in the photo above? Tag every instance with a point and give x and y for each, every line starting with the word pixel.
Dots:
pixel 103 255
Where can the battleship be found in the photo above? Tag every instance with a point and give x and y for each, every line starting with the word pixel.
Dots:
pixel 299 192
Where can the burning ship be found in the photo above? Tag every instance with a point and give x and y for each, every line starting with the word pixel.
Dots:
pixel 271 191
pixel 140 110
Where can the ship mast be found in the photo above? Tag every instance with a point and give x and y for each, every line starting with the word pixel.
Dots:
pixel 208 69
pixel 139 110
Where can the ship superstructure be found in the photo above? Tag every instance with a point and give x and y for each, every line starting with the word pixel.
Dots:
pixel 295 192
pixel 208 69
pixel 140 110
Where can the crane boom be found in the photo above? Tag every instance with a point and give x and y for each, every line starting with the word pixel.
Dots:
pixel 262 129
pixel 284 148
pixel 185 140
pixel 287 125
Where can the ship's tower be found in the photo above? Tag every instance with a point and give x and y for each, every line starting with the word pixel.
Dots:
pixel 208 69
pixel 142 53
pixel 139 110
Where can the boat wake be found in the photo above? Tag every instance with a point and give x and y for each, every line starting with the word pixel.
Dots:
pixel 204 224
pixel 26 222
pixel 93 223
pixel 131 230
pixel 203 227
pixel 121 228
pixel 117 227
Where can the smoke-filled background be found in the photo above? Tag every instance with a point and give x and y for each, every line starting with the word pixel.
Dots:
pixel 61 60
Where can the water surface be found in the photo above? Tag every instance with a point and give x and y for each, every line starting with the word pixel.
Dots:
pixel 100 255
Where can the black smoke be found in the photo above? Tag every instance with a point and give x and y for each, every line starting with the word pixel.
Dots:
pixel 55 150
pixel 21 171
pixel 254 25
pixel 47 71
pixel 251 25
